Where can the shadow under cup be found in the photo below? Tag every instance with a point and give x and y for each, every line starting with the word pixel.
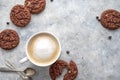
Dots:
pixel 43 49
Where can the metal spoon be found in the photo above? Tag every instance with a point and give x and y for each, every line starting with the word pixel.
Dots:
pixel 28 71
pixel 22 74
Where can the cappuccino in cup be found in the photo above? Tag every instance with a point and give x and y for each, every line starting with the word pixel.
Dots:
pixel 43 49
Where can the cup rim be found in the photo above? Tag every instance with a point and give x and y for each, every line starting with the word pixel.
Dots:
pixel 59 53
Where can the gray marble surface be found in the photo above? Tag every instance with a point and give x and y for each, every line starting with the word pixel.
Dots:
pixel 74 23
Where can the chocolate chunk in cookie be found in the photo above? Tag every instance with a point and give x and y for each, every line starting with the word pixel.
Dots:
pixel 110 19
pixel 56 69
pixel 9 39
pixel 20 15
pixel 35 6
pixel 72 71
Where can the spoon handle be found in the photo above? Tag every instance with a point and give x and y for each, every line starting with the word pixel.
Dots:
pixel 3 69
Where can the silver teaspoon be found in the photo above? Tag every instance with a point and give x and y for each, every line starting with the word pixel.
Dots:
pixel 22 74
pixel 28 71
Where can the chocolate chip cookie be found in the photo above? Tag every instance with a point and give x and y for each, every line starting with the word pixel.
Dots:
pixel 110 19
pixel 35 6
pixel 9 39
pixel 20 15
pixel 56 69
pixel 72 71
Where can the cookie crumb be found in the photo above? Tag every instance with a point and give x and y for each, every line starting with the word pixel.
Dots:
pixel 97 18
pixel 7 23
pixel 51 0
pixel 109 37
pixel 82 58
pixel 69 72
pixel 68 52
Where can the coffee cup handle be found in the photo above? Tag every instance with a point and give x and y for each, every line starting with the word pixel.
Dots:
pixel 23 60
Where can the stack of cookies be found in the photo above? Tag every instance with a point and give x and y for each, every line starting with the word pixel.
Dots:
pixel 21 14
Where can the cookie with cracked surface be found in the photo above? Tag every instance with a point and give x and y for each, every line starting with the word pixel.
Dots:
pixel 110 19
pixel 72 71
pixel 20 15
pixel 35 6
pixel 9 39
pixel 55 69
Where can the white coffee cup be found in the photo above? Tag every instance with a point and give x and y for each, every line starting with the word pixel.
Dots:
pixel 42 49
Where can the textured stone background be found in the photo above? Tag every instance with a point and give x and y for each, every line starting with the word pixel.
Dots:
pixel 74 23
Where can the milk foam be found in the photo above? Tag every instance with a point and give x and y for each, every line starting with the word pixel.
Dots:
pixel 44 48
